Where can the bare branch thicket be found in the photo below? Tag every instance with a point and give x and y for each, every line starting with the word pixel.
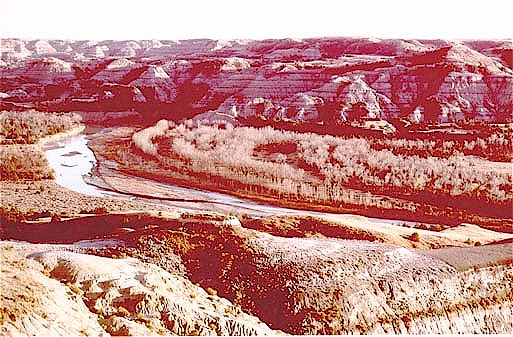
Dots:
pixel 143 139
pixel 28 127
pixel 323 167
pixel 23 163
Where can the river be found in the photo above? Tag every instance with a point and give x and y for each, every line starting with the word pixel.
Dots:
pixel 72 160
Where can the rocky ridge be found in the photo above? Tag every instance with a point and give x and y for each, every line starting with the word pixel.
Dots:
pixel 319 285
pixel 180 274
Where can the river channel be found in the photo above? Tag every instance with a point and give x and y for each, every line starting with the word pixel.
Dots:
pixel 72 160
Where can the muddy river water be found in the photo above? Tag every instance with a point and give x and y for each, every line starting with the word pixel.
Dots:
pixel 71 159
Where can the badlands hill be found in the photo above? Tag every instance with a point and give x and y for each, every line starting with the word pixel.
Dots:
pixel 78 265
pixel 53 291
pixel 208 274
pixel 321 79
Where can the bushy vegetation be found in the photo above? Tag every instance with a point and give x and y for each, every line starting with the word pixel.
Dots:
pixel 144 138
pixel 414 237
pixel 19 158
pixel 327 169
pixel 321 166
pixel 23 163
pixel 496 146
pixel 28 127
pixel 473 138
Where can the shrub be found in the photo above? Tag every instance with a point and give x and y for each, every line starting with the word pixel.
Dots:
pixel 143 139
pixel 28 127
pixel 99 210
pixel 122 312
pixel 211 291
pixel 23 163
pixel 415 237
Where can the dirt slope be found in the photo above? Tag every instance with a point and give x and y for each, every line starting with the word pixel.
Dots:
pixel 32 303
pixel 359 227
pixel 318 285
pixel 68 293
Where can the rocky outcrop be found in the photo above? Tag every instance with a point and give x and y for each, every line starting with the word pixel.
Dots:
pixel 115 71
pixel 42 47
pixel 308 278
pixel 325 286
pixel 73 293
pixel 34 304
pixel 157 80
pixel 48 70
pixel 14 50
pixel 444 80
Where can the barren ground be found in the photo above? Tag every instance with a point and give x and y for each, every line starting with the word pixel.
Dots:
pixel 47 196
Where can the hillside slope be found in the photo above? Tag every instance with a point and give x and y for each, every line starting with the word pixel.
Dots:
pixel 49 290
pixel 320 79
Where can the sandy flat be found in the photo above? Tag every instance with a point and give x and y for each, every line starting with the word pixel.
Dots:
pixel 464 258
pixel 462 235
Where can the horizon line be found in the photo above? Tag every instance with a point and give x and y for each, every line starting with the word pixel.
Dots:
pixel 261 39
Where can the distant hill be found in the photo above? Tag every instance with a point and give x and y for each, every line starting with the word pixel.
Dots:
pixel 311 79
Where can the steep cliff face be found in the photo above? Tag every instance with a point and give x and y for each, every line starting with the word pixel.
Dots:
pixel 446 80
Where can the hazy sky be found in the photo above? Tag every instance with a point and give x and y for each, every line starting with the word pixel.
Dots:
pixel 147 19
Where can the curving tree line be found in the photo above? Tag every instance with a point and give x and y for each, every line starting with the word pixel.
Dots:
pixel 324 167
